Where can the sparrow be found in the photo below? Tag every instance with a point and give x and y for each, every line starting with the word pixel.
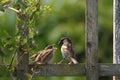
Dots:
pixel 44 56
pixel 67 50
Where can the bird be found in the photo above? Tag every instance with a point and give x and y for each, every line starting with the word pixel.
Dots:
pixel 44 56
pixel 67 50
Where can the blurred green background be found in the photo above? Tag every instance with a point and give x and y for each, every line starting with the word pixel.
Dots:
pixel 62 18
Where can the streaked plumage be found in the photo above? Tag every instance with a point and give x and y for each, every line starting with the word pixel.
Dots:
pixel 67 50
pixel 44 56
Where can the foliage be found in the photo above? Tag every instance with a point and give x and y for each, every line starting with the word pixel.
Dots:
pixel 47 23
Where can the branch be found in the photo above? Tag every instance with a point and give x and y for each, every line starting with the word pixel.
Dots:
pixel 13 57
pixel 17 11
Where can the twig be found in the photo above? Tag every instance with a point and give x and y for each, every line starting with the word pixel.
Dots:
pixel 3 61
pixel 17 11
pixel 13 57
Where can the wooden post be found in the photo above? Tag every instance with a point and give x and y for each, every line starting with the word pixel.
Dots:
pixel 92 39
pixel 23 55
pixel 73 70
pixel 116 34
pixel 23 61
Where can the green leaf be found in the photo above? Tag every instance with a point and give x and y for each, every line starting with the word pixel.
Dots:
pixel 1 8
pixel 7 24
pixel 31 34
pixel 29 76
pixel 4 2
pixel 2 53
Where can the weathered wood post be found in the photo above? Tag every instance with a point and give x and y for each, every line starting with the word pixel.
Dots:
pixel 23 61
pixel 23 55
pixel 116 34
pixel 92 39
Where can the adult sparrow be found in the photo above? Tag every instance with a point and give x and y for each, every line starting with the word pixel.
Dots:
pixel 44 56
pixel 67 50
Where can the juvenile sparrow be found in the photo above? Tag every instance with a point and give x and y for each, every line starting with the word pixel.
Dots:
pixel 44 56
pixel 67 50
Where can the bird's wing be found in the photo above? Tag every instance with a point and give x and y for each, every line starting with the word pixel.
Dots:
pixel 67 52
pixel 47 53
pixel 33 56
pixel 38 58
pixel 71 56
pixel 70 50
pixel 43 55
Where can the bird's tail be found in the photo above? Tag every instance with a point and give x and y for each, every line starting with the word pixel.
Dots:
pixel 33 56
pixel 34 63
pixel 74 60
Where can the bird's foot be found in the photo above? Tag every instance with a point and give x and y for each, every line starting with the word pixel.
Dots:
pixel 60 62
pixel 70 62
